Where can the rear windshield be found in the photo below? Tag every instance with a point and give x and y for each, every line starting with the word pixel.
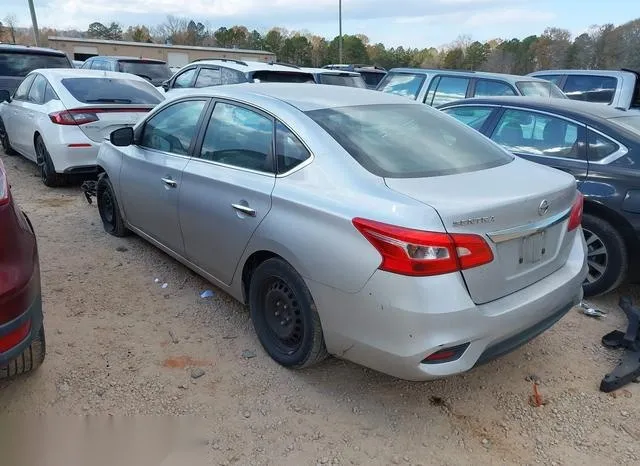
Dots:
pixel 112 91
pixel 266 76
pixel 21 64
pixel 371 78
pixel 409 140
pixel 406 84
pixel 342 80
pixel 153 71
pixel 629 122
pixel 540 89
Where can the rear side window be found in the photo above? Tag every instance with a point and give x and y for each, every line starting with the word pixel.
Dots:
pixel 405 84
pixel 489 87
pixel 445 89
pixel 23 89
pixel 50 94
pixel 408 140
pixel 111 91
pixel 290 152
pixel 474 117
pixel 590 88
pixel 239 137
pixel 540 89
pixel 173 128
pixel 342 80
pixel 38 89
pixel 600 146
pixel 21 64
pixel 209 77
pixel 266 76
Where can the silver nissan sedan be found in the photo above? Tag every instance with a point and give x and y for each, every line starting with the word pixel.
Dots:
pixel 352 223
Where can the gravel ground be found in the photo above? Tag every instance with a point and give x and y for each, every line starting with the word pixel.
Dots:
pixel 121 344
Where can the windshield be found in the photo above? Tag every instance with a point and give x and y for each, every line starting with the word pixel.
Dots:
pixel 629 122
pixel 112 91
pixel 406 84
pixel 408 140
pixel 540 89
pixel 342 80
pixel 153 71
pixel 266 76
pixel 21 64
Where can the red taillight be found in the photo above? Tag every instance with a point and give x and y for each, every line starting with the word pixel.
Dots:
pixel 575 218
pixel 16 336
pixel 422 253
pixel 73 117
pixel 4 186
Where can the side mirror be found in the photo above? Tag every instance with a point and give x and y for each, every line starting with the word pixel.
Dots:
pixel 5 96
pixel 122 137
pixel 165 86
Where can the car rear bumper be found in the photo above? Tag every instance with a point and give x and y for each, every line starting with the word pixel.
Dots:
pixel 72 151
pixel 32 314
pixel 394 322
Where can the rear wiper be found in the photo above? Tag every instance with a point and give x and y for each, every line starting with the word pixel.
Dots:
pixel 108 101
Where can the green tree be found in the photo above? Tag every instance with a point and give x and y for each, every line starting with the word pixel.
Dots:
pixel 138 34
pixel 454 59
pixel 274 41
pixel 255 41
pixel 353 50
pixel 475 55
pixel 297 50
pixel 196 33
pixel 98 31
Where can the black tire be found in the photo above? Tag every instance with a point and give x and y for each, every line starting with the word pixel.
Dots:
pixel 48 173
pixel 109 209
pixel 284 315
pixel 4 140
pixel 606 256
pixel 30 359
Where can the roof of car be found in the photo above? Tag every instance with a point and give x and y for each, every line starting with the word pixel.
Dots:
pixel 12 48
pixel 63 73
pixel 564 106
pixel 304 97
pixel 114 57
pixel 478 74
pixel 247 66
pixel 612 73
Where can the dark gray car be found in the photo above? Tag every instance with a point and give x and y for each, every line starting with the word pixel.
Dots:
pixel 17 61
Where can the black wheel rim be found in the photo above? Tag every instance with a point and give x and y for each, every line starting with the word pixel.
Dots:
pixel 283 316
pixel 107 207
pixel 597 257
pixel 42 161
pixel 4 139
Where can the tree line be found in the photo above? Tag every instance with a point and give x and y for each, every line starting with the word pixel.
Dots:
pixel 605 47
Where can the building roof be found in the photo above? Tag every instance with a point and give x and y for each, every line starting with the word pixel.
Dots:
pixel 145 44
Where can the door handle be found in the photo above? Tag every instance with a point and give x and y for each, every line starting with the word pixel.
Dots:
pixel 169 182
pixel 244 209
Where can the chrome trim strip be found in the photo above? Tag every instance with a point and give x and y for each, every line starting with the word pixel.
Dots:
pixel 529 229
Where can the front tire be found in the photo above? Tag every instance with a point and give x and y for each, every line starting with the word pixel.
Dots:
pixel 606 256
pixel 48 173
pixel 109 209
pixel 284 315
pixel 30 359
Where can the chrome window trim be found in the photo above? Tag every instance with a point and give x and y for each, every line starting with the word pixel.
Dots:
pixel 529 229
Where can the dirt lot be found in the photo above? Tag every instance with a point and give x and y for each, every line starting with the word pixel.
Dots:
pixel 118 343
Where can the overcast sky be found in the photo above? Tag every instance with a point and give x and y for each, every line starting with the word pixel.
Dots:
pixel 414 23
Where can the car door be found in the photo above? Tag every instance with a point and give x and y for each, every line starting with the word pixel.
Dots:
pixel 151 173
pixel 226 187
pixel 444 89
pixel 32 109
pixel 491 87
pixel 16 117
pixel 544 138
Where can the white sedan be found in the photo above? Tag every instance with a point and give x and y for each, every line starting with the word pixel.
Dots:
pixel 59 117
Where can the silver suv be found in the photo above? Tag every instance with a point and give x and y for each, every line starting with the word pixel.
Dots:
pixel 438 87
pixel 620 89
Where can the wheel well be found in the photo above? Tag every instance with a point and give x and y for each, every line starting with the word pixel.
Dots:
pixel 35 136
pixel 250 266
pixel 617 221
pixel 101 171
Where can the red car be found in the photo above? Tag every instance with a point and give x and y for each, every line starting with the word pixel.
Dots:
pixel 22 343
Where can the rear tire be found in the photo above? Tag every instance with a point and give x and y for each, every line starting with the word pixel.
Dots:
pixel 4 140
pixel 30 359
pixel 109 209
pixel 284 315
pixel 48 173
pixel 606 256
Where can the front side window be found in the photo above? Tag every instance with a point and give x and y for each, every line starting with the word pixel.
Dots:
pixel 112 91
pixel 185 79
pixel 408 140
pixel 239 137
pixel 445 89
pixel 471 116
pixel 533 133
pixel 22 92
pixel 599 146
pixel 209 77
pixel 173 128
pixel 290 152
pixel 405 84
pixel 489 87
pixel 38 89
pixel 591 88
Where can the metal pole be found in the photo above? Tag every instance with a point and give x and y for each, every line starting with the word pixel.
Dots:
pixel 340 23
pixel 34 22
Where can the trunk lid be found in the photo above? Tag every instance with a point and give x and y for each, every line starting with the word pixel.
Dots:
pixel 110 118
pixel 505 205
